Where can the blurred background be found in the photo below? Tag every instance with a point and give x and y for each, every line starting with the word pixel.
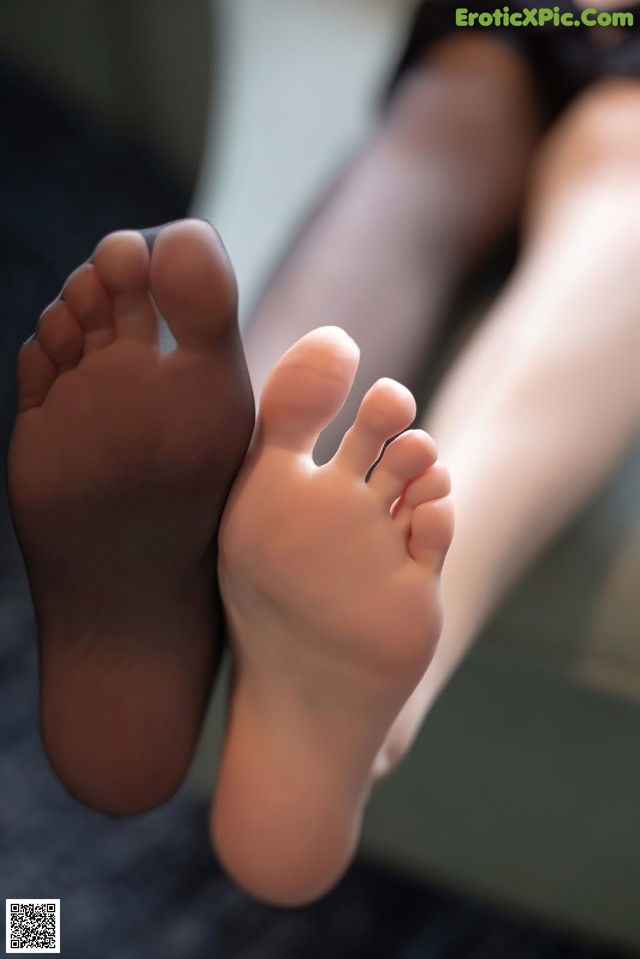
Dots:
pixel 513 828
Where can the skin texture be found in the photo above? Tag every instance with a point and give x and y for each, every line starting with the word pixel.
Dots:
pixel 331 586
pixel 547 390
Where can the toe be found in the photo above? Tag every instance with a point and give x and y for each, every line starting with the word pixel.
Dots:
pixel 431 532
pixel 405 458
pixel 432 484
pixel 59 335
pixel 386 410
pixel 122 263
pixel 193 284
pixel 36 372
pixel 307 388
pixel 89 302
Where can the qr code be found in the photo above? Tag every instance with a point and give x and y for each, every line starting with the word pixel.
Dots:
pixel 33 926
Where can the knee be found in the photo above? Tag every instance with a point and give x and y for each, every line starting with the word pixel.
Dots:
pixel 601 129
pixel 467 92
pixel 606 119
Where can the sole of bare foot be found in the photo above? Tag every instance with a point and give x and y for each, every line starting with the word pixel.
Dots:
pixel 120 462
pixel 331 588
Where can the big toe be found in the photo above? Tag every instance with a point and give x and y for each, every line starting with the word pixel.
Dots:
pixel 307 388
pixel 193 284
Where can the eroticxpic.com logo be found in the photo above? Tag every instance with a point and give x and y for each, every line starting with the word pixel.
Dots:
pixel 543 17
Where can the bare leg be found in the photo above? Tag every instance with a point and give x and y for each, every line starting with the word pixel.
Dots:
pixel 439 181
pixel 545 402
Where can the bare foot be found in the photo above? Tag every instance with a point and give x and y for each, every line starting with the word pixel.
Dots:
pixel 331 587
pixel 120 463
